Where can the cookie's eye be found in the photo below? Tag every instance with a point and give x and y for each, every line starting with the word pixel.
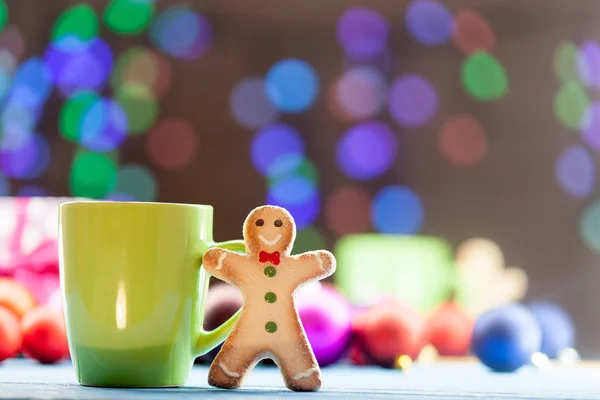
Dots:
pixel 260 222
pixel 278 223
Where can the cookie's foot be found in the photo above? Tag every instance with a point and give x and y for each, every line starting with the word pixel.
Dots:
pixel 221 376
pixel 304 381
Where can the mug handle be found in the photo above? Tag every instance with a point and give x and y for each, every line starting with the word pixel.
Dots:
pixel 208 340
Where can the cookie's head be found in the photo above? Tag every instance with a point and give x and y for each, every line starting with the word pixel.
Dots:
pixel 269 228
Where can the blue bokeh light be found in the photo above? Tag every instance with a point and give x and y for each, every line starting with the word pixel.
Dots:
pixel 104 126
pixel 81 70
pixel 429 22
pixel 367 150
pixel 29 161
pixel 397 209
pixel 299 196
pixel 292 85
pixel 32 83
pixel 575 171
pixel 273 141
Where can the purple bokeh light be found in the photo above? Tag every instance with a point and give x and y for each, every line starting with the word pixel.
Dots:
pixel 362 32
pixel 361 92
pixel 87 69
pixel 271 142
pixel 575 171
pixel 429 22
pixel 182 32
pixel 32 191
pixel 367 150
pixel 412 100
pixel 28 161
pixel 590 131
pixel 250 105
pixel 588 63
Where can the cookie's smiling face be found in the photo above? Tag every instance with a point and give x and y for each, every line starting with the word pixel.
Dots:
pixel 269 228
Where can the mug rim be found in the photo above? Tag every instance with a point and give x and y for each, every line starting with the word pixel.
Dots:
pixel 76 203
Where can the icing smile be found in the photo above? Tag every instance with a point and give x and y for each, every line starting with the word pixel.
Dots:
pixel 269 242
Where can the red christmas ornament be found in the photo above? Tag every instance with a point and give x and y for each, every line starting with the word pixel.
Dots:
pixel 10 334
pixel 449 330
pixel 44 335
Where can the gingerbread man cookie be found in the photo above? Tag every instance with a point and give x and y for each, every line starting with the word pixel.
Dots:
pixel 269 325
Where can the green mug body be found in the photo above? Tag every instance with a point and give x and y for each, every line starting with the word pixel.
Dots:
pixel 134 290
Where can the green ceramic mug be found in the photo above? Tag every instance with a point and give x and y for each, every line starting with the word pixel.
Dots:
pixel 134 291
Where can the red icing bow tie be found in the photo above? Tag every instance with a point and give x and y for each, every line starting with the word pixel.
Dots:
pixel 273 257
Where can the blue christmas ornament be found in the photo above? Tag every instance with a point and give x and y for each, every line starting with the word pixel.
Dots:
pixel 505 338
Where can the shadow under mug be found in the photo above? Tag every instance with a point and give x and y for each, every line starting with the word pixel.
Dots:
pixel 134 291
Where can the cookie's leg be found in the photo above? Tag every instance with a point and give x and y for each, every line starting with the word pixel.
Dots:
pixel 229 369
pixel 299 367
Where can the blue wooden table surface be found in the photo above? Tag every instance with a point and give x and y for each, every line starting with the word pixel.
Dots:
pixel 23 379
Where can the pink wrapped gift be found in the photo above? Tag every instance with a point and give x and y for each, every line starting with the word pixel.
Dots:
pixel 29 243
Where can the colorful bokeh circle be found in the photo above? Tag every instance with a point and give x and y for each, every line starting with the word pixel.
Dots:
pixel 141 66
pixel 93 175
pixel 367 150
pixel 429 22
pixel 576 172
pixel 292 164
pixel 347 210
pixel 590 130
pixel 360 92
pixel 250 105
pixel 587 62
pixel 140 106
pixel 484 77
pixel 472 32
pixel 28 161
pixel 412 100
pixel 589 226
pixel 172 143
pixel 75 28
pixel 571 103
pixel 397 209
pixel 292 85
pixel 137 181
pixel 128 17
pixel 299 196
pixel 182 32
pixel 462 141
pixel 362 32
pixel 273 141
pixel 566 62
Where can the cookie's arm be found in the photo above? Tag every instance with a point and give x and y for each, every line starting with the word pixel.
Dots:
pixel 223 264
pixel 314 265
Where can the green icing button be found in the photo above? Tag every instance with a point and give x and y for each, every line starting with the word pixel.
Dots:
pixel 270 271
pixel 270 297
pixel 270 326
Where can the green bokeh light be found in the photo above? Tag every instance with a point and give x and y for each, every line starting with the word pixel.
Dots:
pixel 138 181
pixel 128 17
pixel 309 239
pixel 565 62
pixel 306 168
pixel 570 105
pixel 484 77
pixel 589 226
pixel 140 105
pixel 93 175
pixel 78 22
pixel 3 15
pixel 73 113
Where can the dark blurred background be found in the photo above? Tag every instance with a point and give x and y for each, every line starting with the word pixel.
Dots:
pixel 456 120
